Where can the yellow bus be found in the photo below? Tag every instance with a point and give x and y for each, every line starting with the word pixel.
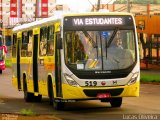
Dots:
pixel 77 56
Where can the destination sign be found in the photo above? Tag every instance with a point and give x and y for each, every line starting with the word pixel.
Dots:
pixel 88 22
pixel 97 21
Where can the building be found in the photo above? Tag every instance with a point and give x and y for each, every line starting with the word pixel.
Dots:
pixel 143 9
pixel 13 12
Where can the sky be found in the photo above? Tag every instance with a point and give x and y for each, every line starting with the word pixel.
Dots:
pixel 81 5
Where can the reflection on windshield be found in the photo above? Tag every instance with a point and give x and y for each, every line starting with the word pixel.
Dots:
pixel 99 50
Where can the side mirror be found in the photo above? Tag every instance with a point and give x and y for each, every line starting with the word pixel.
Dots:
pixel 59 43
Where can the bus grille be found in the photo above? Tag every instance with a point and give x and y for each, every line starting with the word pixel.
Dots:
pixel 112 92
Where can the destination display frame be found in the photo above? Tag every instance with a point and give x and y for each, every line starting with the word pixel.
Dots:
pixel 98 22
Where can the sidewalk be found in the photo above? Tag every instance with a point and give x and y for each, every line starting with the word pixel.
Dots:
pixel 150 69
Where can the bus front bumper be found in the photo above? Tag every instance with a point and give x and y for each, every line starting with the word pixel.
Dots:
pixel 70 92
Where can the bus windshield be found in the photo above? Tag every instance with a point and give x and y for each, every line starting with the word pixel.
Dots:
pixel 100 50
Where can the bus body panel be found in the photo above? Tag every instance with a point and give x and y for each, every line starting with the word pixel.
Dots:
pixel 70 92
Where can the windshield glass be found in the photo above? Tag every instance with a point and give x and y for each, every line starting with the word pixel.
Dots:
pixel 1 54
pixel 100 50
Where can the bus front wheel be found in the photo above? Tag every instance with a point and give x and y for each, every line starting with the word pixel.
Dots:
pixel 116 102
pixel 0 71
pixel 38 98
pixel 28 97
pixel 57 104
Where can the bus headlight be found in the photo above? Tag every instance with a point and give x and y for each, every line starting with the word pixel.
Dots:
pixel 70 80
pixel 133 78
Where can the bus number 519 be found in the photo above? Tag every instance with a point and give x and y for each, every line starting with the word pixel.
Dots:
pixel 90 83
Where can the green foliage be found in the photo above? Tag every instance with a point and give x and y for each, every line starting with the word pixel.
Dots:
pixel 8 63
pixel 27 112
pixel 150 77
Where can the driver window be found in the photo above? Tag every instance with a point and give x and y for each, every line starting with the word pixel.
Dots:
pixel 79 49
pixel 74 47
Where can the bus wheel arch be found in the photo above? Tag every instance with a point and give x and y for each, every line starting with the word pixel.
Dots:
pixel 56 103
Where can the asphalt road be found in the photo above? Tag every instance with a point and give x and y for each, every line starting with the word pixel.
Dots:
pixel 148 104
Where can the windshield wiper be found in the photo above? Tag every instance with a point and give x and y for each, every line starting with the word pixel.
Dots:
pixel 112 37
pixel 90 39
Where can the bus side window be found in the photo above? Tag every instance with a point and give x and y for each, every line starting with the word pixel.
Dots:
pixel 24 44
pixel 43 41
pixel 50 40
pixel 14 45
pixel 29 40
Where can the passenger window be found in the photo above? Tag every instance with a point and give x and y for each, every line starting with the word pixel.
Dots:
pixel 24 44
pixel 50 40
pixel 30 43
pixel 43 41
pixel 26 49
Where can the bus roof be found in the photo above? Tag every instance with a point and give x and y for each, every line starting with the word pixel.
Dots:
pixel 59 15
pixel 35 23
pixel 98 13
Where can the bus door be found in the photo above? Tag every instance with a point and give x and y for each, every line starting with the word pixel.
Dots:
pixel 18 64
pixel 35 63
pixel 58 81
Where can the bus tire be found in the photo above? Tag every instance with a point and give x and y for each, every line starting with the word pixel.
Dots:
pixel 116 102
pixel 38 98
pixel 58 105
pixel 0 71
pixel 28 97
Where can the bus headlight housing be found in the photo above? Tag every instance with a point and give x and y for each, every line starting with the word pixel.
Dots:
pixel 133 78
pixel 70 80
